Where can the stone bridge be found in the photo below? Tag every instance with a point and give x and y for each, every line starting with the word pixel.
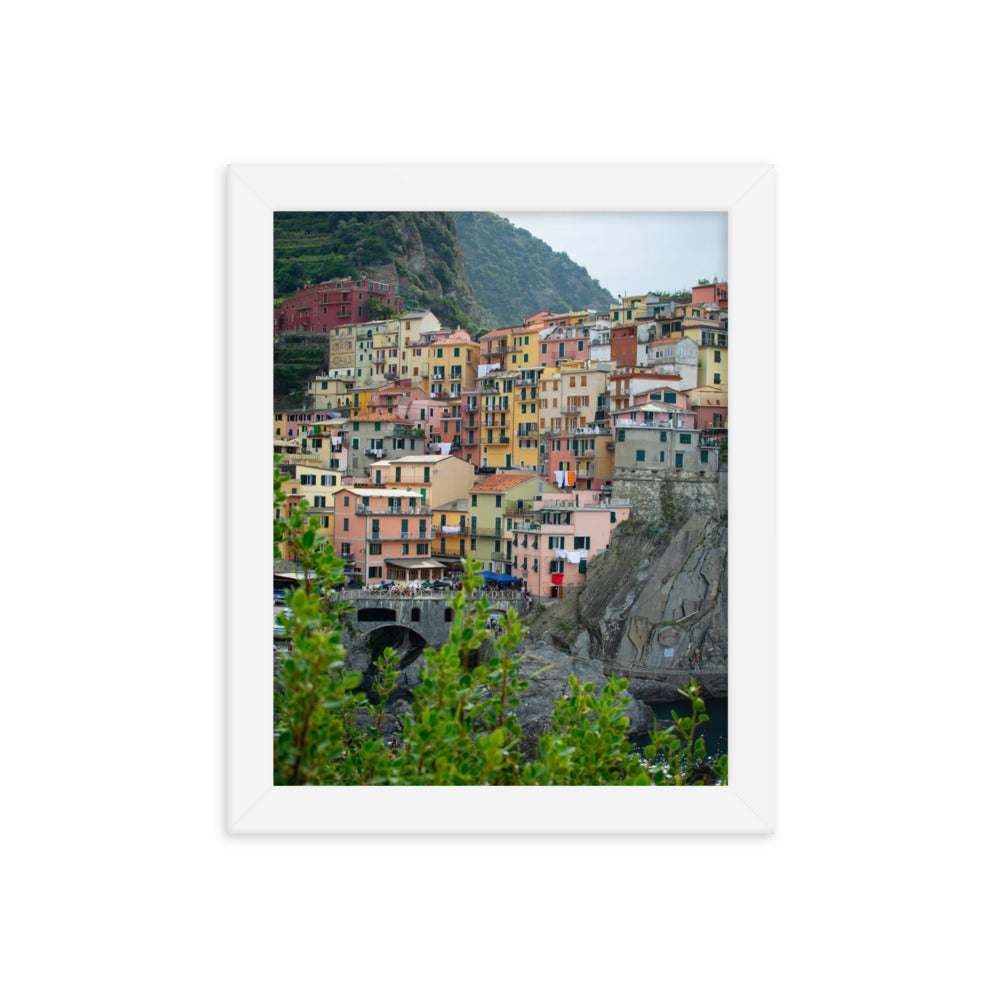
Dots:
pixel 429 616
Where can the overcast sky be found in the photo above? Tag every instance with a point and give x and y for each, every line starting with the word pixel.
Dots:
pixel 636 252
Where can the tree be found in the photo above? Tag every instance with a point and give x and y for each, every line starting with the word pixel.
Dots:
pixel 378 309
pixel 463 729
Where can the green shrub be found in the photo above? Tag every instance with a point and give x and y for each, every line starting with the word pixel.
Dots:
pixel 463 729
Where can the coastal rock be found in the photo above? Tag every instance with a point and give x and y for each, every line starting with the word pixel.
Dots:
pixel 547 670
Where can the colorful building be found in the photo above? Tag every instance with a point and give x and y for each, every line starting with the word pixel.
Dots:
pixel 717 292
pixel 553 541
pixel 374 527
pixel 493 504
pixel 437 479
pixel 713 367
pixel 663 447
pixel 338 302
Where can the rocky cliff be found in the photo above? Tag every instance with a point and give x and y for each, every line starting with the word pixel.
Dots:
pixel 655 605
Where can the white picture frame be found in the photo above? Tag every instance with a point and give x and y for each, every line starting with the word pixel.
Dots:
pixel 748 803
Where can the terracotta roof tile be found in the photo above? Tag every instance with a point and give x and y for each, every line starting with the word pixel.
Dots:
pixel 501 482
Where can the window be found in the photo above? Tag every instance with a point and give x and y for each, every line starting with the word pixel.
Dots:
pixel 374 548
pixel 581 542
pixel 670 397
pixel 663 435
pixel 704 456
pixel 685 439
pixel 718 358
pixel 679 460
pixel 640 455
pixel 497 500
pixel 374 572
pixel 423 548
pixel 398 472
pixel 717 378
pixel 614 517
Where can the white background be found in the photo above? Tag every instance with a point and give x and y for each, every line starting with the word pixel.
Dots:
pixel 119 880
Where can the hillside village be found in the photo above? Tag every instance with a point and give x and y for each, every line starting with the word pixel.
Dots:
pixel 524 449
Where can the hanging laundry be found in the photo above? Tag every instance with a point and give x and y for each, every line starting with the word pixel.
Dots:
pixel 445 448
pixel 573 557
pixel 571 478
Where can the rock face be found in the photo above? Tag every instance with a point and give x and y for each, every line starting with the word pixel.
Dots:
pixel 655 605
pixel 547 671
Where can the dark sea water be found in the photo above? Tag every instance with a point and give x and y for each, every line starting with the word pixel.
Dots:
pixel 715 731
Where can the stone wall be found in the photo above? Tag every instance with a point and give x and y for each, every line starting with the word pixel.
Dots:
pixel 666 496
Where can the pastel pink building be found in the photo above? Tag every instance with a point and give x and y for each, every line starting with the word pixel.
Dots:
pixel 553 543
pixel 375 528
pixel 563 343
pixel 655 415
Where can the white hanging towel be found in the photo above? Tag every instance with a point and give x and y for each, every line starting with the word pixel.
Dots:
pixel 445 448
pixel 573 557
pixel 560 553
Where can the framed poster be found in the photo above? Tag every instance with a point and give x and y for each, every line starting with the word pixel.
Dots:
pixel 747 803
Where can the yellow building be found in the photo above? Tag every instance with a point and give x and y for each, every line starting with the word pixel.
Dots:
pixel 438 478
pixel 568 397
pixel 493 505
pixel 632 307
pixel 522 346
pixel 385 350
pixel 713 366
pixel 451 532
pixel 330 393
pixel 495 434
pixel 567 319
pixel 317 487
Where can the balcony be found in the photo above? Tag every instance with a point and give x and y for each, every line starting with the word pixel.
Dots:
pixel 398 534
pixel 392 511
pixel 481 531
pixel 524 430
pixel 569 408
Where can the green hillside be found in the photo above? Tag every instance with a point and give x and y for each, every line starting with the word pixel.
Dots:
pixel 514 274
pixel 471 269
pixel 419 251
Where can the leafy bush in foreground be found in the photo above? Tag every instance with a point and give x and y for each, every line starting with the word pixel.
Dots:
pixel 463 729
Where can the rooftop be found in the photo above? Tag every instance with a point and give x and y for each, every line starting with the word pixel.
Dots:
pixel 502 482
